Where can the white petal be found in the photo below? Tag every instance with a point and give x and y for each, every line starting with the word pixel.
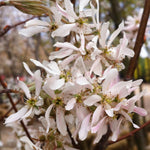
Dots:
pixel 96 67
pixel 102 130
pixel 27 68
pixel 60 54
pixel 115 129
pixel 38 82
pixel 110 112
pixel 99 126
pixel 140 111
pixel 70 104
pixel 27 141
pixel 24 87
pixel 60 120
pixel 68 60
pixel 103 33
pixel 49 91
pixel 83 132
pixel 115 34
pixel 47 114
pixel 82 4
pixel 16 116
pixel 28 113
pixel 55 84
pixel 91 100
pixel 53 66
pixel 30 31
pixel 129 119
pixel 63 30
pixel 66 45
pixel 70 11
pixel 36 22
pixel 97 114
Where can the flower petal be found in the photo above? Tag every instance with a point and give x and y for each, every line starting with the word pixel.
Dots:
pixel 82 4
pixel 47 114
pixel 91 100
pixel 24 87
pixel 30 31
pixel 83 132
pixel 27 68
pixel 70 104
pixel 16 116
pixel 63 30
pixel 60 120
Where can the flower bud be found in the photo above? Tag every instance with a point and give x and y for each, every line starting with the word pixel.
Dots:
pixel 33 7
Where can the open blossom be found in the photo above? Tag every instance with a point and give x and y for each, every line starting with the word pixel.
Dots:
pixel 32 103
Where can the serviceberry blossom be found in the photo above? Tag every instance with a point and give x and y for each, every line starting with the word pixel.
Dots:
pixel 79 93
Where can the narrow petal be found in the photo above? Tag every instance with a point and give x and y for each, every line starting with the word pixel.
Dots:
pixel 103 33
pixel 60 54
pixel 30 31
pixel 38 82
pixel 70 104
pixel 83 132
pixel 70 11
pixel 99 126
pixel 36 22
pixel 60 120
pixel 63 30
pixel 115 128
pixel 27 68
pixel 82 4
pixel 99 111
pixel 24 87
pixel 55 84
pixel 115 34
pixel 129 119
pixel 66 45
pixel 91 100
pixel 28 113
pixel 16 116
pixel 140 111
pixel 101 131
pixel 27 141
pixel 47 114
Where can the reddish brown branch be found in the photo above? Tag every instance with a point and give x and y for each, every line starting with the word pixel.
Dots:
pixel 9 27
pixel 6 114
pixel 130 134
pixel 14 107
pixel 8 91
pixel 139 40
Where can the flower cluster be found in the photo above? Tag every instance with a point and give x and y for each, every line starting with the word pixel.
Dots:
pixel 80 93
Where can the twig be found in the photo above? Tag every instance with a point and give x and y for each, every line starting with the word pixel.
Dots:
pixel 14 107
pixel 139 40
pixel 8 91
pixel 6 114
pixel 130 134
pixel 8 27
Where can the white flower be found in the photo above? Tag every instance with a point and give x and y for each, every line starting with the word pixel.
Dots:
pixel 33 27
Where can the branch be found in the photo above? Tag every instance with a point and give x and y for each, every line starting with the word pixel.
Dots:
pixel 14 107
pixel 139 40
pixel 6 114
pixel 9 91
pixel 130 134
pixel 8 27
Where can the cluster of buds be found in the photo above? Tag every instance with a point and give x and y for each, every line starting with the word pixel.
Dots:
pixel 80 94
